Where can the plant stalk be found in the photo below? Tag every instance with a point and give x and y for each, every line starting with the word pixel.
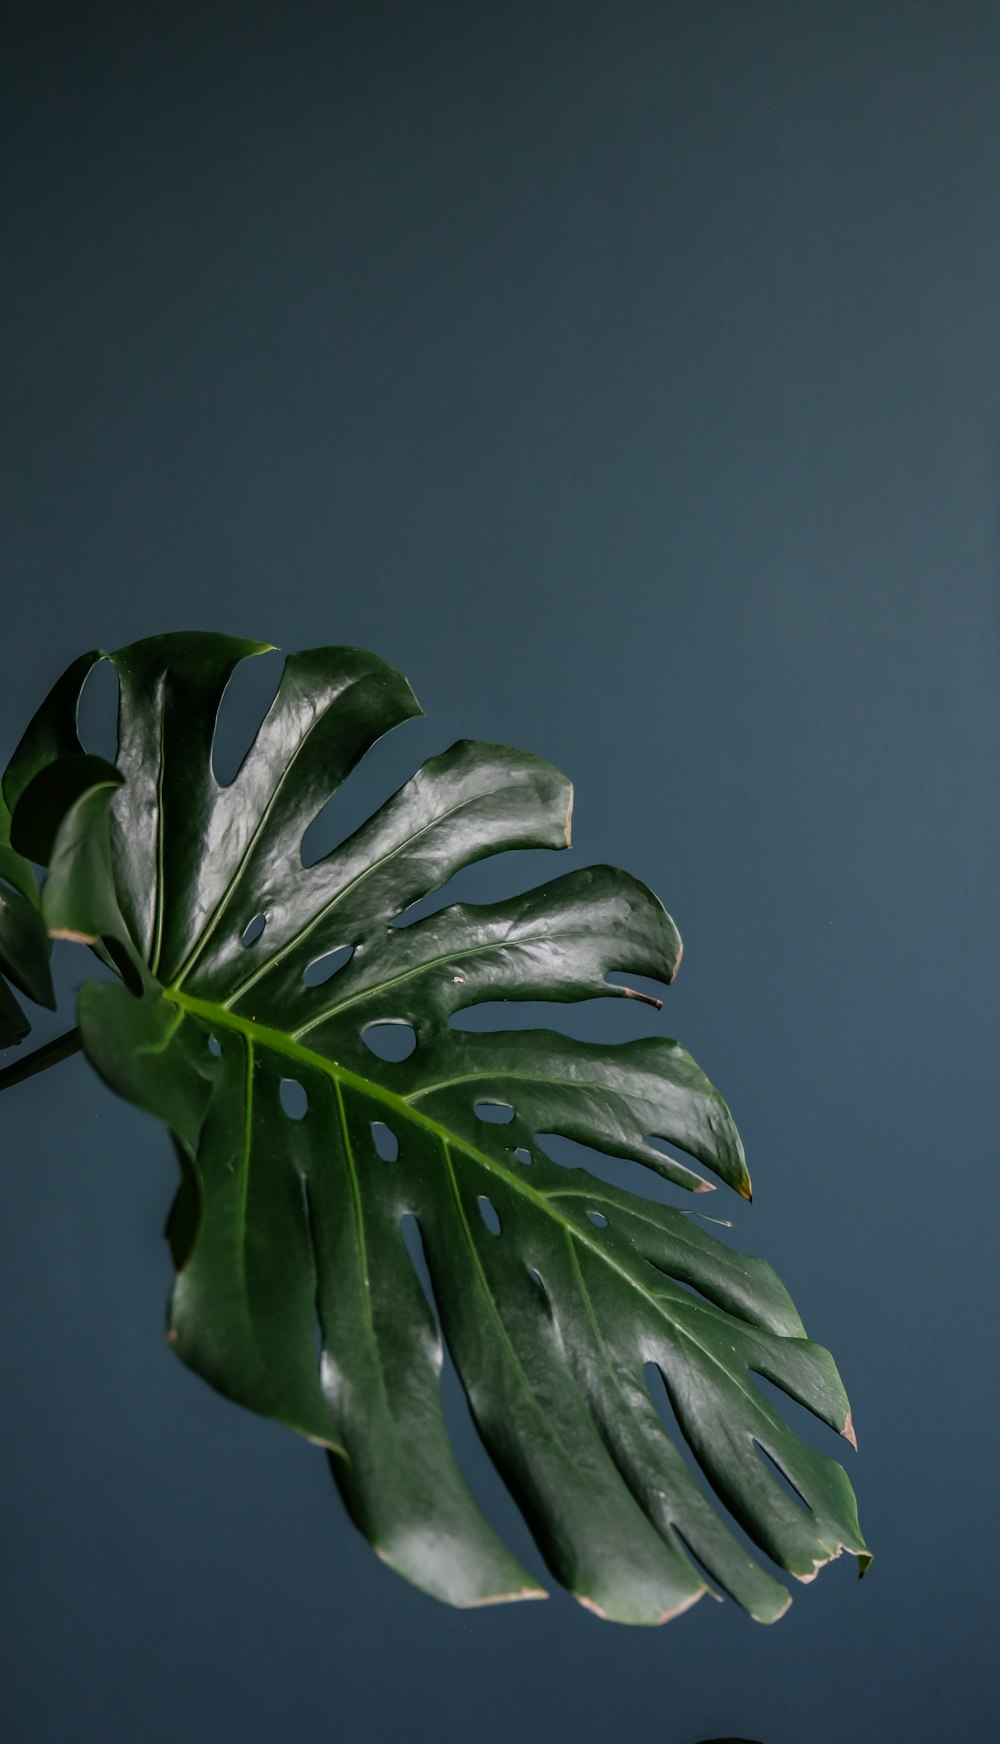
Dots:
pixel 41 1059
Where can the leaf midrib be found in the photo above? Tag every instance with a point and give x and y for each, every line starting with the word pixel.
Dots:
pixel 461 955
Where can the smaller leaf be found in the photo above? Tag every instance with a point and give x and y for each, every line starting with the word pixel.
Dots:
pixel 25 948
pixel 80 900
pixel 14 1026
pixel 51 732
pixel 50 795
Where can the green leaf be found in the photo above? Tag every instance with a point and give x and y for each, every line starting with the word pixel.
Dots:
pixel 559 1296
pixel 25 948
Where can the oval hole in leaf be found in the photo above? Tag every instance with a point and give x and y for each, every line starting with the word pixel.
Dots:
pixel 488 1213
pixel 598 1218
pixel 245 702
pixel 420 910
pixel 392 1039
pixel 294 1100
pixel 522 1155
pixel 97 711
pixel 214 1046
pixel 385 1141
pixel 322 969
pixel 495 1113
pixel 253 929
pixel 536 1278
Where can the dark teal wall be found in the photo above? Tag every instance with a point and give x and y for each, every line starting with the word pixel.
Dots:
pixel 630 375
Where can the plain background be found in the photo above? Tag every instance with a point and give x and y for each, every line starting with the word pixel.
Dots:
pixel 630 375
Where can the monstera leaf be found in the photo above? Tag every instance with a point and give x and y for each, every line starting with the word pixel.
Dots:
pixel 255 998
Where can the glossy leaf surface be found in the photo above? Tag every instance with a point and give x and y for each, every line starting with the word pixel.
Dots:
pixel 259 996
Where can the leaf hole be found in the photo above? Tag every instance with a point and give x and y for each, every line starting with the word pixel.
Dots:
pixel 805 1424
pixel 214 1046
pixel 322 969
pixel 522 1155
pixel 442 896
pixel 492 879
pixel 782 1477
pixel 252 931
pixel 677 1282
pixel 422 909
pixel 385 1141
pixel 538 1281
pixel 598 1218
pixel 622 1172
pixel 392 1039
pixel 489 1214
pixel 672 1422
pixel 668 1148
pixel 294 1100
pixel 307 1211
pixel 97 711
pixel 245 702
pixel 414 1243
pixel 715 1587
pixel 495 1113
pixel 659 1393
pixel 386 766
pixel 464 1429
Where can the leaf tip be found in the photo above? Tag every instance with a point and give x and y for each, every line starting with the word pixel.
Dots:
pixel 512 1598
pixel 75 938
pixel 568 826
pixel 329 1446
pixel 773 1616
pixel 656 1619
pixel 646 998
pixel 848 1432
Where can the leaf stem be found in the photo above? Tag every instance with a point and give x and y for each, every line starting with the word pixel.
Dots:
pixel 42 1058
